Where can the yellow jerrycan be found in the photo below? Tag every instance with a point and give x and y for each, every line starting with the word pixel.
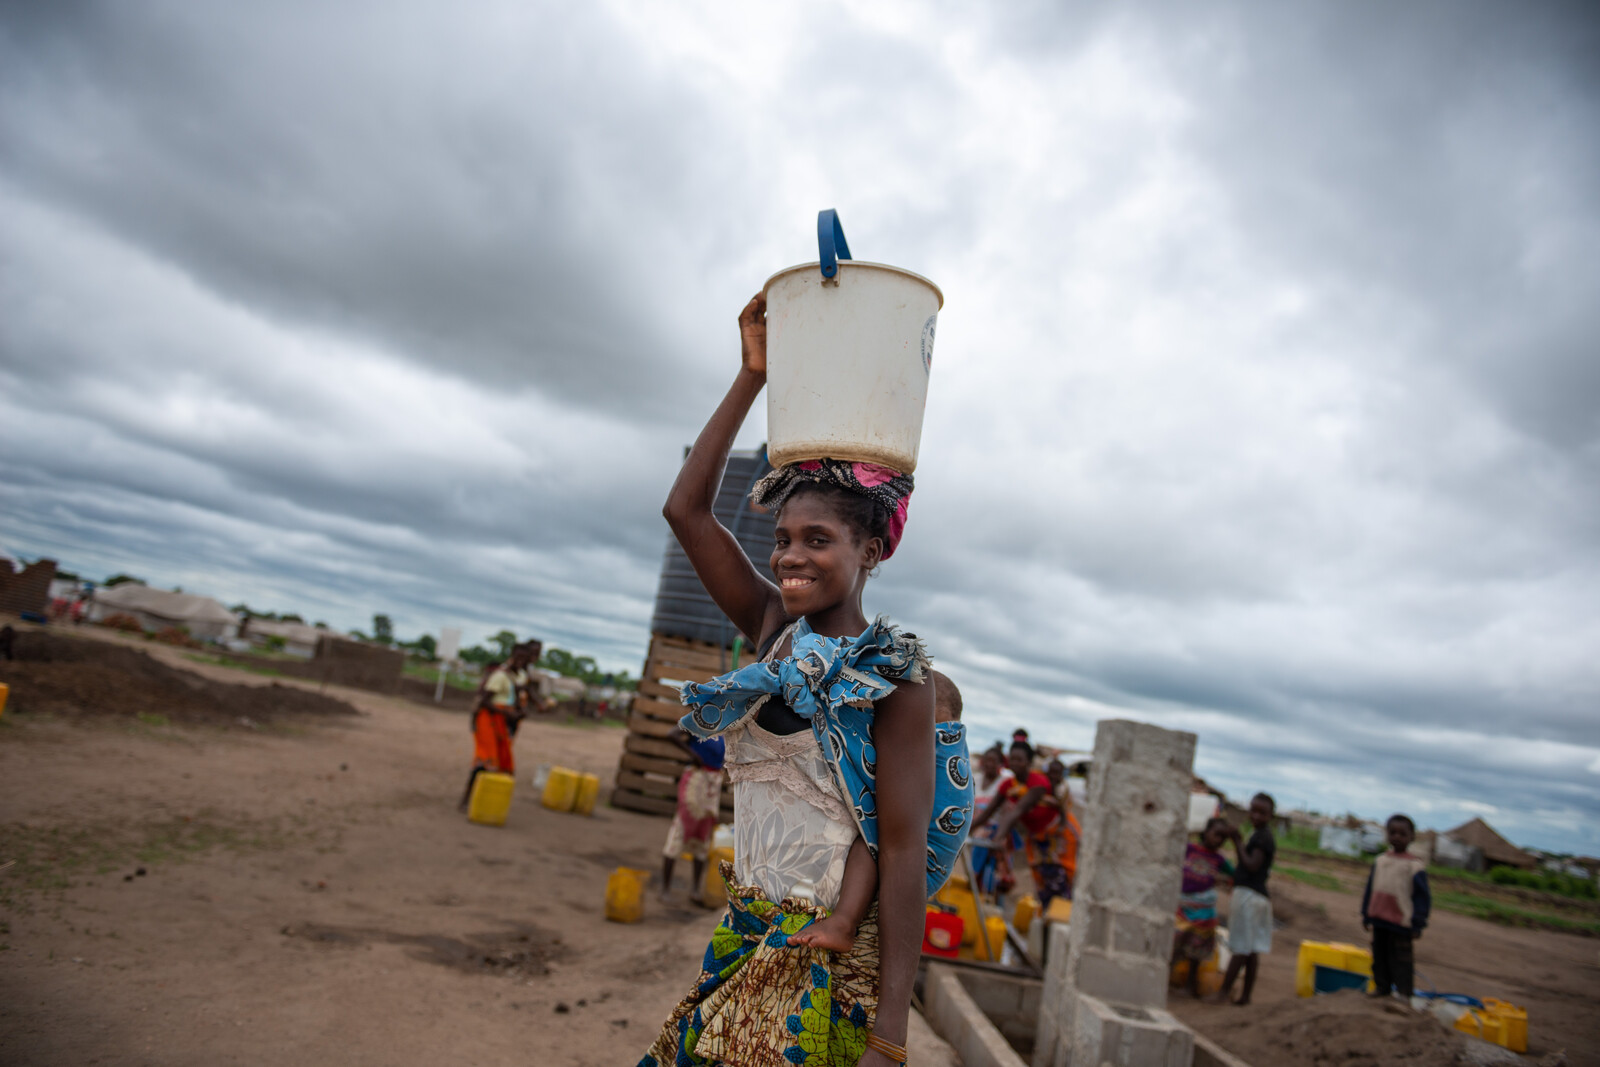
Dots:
pixel 560 789
pixel 491 798
pixel 1027 908
pixel 625 895
pixel 588 792
pixel 714 891
pixel 994 936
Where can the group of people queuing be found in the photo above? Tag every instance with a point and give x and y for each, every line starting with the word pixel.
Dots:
pixel 507 692
pixel 1024 808
pixel 1394 907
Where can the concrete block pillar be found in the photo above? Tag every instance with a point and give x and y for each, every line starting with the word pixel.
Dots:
pixel 1113 971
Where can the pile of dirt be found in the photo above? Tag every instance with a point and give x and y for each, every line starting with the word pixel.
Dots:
pixel 73 677
pixel 1349 1029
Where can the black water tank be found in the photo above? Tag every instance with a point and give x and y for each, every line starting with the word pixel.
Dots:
pixel 683 607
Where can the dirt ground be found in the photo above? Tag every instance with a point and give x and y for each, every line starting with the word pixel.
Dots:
pixel 1555 977
pixel 301 890
pixel 73 677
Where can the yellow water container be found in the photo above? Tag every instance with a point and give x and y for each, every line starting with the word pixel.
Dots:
pixel 625 895
pixel 491 798
pixel 714 891
pixel 1336 955
pixel 588 793
pixel 1210 976
pixel 560 789
pixel 994 936
pixel 1513 1023
pixel 1027 908
pixel 1481 1024
pixel 1059 911
pixel 959 897
pixel 5 691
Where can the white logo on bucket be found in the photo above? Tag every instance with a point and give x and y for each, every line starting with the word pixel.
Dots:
pixel 927 342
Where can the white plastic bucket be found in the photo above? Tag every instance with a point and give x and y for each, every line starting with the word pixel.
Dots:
pixel 848 356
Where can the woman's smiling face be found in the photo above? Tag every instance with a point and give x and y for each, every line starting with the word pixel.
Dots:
pixel 818 559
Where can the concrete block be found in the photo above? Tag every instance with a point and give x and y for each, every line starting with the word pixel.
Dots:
pixel 1127 741
pixel 1140 935
pixel 1116 949
pixel 1127 980
pixel 1047 1035
pixel 1098 920
pixel 1055 999
pixel 1105 1034
pixel 1150 887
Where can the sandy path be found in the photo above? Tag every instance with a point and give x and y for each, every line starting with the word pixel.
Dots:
pixel 392 900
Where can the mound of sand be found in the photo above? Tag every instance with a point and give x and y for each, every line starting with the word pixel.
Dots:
pixel 73 677
pixel 1351 1030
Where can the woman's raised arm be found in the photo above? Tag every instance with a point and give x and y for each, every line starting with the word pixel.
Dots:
pixel 751 601
pixel 902 733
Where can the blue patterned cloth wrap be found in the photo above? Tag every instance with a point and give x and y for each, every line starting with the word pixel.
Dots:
pixel 834 682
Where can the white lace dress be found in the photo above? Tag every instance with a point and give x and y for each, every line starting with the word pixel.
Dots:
pixel 791 828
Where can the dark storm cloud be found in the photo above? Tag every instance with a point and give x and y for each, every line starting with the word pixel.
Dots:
pixel 1264 406
pixel 461 208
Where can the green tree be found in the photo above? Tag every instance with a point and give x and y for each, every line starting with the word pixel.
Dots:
pixel 563 662
pixel 291 617
pixel 383 629
pixel 424 647
pixel 121 579
pixel 476 654
pixel 504 640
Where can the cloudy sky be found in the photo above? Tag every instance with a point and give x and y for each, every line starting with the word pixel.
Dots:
pixel 1266 401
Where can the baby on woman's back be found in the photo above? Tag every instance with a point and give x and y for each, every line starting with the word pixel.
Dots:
pixel 859 886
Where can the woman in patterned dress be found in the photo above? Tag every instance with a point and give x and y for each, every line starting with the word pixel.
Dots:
pixel 760 1000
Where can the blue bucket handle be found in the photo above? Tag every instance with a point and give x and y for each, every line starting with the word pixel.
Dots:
pixel 831 246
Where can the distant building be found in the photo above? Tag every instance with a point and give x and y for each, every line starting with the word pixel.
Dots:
pixel 1497 851
pixel 298 638
pixel 25 590
pixel 158 609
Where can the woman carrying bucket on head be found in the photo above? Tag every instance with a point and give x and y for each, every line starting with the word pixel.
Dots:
pixel 846 788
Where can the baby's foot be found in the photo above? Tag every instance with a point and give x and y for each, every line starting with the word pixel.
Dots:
pixel 834 932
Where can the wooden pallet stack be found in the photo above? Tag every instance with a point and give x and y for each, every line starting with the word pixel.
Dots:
pixel 647 776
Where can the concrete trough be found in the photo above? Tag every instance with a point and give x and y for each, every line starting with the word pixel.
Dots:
pixel 955 1015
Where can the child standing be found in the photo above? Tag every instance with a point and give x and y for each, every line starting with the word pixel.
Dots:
pixel 1250 911
pixel 1395 908
pixel 699 799
pixel 1203 869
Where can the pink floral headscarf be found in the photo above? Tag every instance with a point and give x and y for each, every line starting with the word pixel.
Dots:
pixel 883 484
